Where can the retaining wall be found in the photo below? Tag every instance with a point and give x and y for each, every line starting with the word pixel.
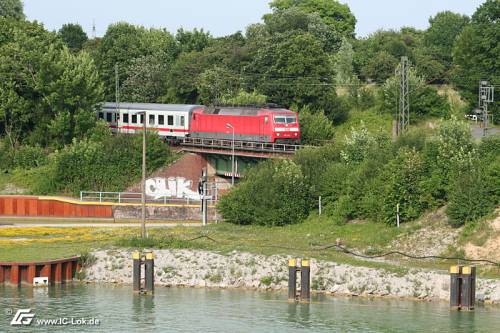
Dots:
pixel 33 206
pixel 51 207
pixel 56 271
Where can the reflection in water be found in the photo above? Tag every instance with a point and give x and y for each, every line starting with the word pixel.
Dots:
pixel 205 310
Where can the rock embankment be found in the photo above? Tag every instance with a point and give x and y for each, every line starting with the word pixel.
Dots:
pixel 194 268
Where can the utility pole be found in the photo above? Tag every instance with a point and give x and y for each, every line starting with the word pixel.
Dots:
pixel 117 87
pixel 232 155
pixel 93 29
pixel 143 180
pixel 486 96
pixel 404 96
pixel 204 196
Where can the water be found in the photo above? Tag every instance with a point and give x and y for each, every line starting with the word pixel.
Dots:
pixel 204 310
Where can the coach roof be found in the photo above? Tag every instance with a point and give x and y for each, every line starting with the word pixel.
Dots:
pixel 152 107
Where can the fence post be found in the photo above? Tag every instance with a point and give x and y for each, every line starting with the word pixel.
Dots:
pixel 100 196
pixel 81 195
pixel 119 197
pixel 319 205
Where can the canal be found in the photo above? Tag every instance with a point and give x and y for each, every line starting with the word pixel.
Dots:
pixel 205 310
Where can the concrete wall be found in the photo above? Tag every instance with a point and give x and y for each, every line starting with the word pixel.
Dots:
pixel 166 213
pixel 33 206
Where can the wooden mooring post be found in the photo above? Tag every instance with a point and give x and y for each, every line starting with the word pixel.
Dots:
pixel 462 287
pixel 304 269
pixel 149 267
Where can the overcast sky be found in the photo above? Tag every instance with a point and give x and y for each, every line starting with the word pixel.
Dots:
pixel 223 17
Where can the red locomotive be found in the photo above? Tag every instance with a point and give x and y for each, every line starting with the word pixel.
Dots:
pixel 172 121
pixel 249 124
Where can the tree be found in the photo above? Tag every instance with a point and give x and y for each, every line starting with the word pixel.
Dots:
pixel 381 67
pixel 146 80
pixel 44 87
pixel 21 110
pixel 119 46
pixel 74 36
pixel 403 177
pixel 293 20
pixel 315 127
pixel 334 14
pixel 441 35
pixel 344 63
pixel 73 91
pixel 214 83
pixel 195 40
pixel 183 77
pixel 243 98
pixel 476 51
pixel 391 87
pixel 12 8
pixel 123 43
pixel 290 69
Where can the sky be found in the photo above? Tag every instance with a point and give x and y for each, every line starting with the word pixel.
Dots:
pixel 224 17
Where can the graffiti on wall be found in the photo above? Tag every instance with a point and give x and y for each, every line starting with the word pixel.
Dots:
pixel 177 187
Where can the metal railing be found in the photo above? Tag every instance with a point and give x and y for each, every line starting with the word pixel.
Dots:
pixel 242 145
pixel 135 197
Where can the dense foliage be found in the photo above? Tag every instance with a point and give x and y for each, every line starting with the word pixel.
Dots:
pixel 303 55
pixel 367 176
pixel 272 194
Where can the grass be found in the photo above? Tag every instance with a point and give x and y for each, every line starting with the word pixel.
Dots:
pixel 300 240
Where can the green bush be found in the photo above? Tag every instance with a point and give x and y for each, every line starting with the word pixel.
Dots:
pixel 403 176
pixel 108 165
pixel 470 197
pixel 427 102
pixel 315 127
pixel 27 157
pixel 274 193
pixel 6 156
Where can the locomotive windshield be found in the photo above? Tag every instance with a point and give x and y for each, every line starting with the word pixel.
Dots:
pixel 285 119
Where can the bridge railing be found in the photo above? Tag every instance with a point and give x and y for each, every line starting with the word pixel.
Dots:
pixel 242 145
pixel 136 197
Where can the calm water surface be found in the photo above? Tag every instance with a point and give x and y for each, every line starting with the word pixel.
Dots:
pixel 203 310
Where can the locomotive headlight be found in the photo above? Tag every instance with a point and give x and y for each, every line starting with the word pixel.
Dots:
pixel 278 134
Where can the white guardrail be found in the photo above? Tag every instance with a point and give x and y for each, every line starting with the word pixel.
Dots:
pixel 135 197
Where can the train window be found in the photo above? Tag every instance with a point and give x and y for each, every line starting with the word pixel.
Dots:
pixel 279 119
pixel 109 116
pixel 291 119
pixel 101 115
pixel 151 119
pixel 134 119
pixel 170 120
pixel 125 118
pixel 182 121
pixel 161 120
pixel 142 119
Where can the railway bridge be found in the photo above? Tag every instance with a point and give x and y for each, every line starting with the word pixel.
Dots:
pixel 218 153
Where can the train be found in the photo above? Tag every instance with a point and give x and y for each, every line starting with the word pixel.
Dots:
pixel 174 122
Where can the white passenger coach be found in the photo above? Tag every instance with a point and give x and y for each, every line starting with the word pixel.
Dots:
pixel 170 120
